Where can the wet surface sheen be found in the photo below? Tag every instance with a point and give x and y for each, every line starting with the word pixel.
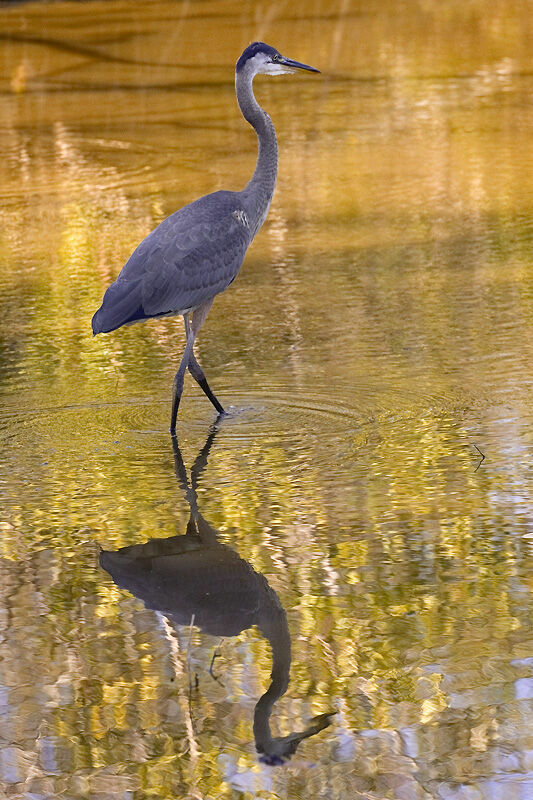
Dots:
pixel 339 529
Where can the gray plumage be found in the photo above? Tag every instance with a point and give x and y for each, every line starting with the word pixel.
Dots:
pixel 167 274
pixel 196 253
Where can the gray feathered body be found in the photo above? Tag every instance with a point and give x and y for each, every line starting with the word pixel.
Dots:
pixel 189 258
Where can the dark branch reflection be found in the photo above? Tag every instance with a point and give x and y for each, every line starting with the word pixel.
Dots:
pixel 193 577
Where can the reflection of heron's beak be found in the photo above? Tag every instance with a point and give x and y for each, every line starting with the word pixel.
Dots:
pixel 279 750
pixel 288 62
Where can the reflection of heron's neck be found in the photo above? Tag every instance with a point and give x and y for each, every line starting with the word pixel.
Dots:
pixel 258 192
pixel 273 624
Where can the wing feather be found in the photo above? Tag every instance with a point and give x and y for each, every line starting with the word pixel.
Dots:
pixel 189 258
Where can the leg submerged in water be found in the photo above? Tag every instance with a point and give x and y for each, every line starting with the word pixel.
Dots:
pixel 199 375
pixel 188 361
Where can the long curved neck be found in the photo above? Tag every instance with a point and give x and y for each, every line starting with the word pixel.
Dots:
pixel 258 192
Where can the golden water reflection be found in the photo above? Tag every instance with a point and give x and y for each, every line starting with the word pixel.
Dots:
pixel 195 580
pixel 379 333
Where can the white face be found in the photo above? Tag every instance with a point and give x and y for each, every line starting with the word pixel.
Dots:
pixel 262 64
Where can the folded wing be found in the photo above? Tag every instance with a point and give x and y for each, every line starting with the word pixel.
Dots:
pixel 189 258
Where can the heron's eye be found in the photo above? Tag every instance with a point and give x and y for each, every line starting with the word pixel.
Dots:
pixel 275 57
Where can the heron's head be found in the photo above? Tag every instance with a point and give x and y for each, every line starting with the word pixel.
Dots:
pixel 259 57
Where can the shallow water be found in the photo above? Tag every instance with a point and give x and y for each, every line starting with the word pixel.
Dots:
pixel 375 353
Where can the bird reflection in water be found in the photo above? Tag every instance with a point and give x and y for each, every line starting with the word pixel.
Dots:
pixel 193 577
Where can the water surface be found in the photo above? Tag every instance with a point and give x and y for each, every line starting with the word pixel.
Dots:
pixel 376 344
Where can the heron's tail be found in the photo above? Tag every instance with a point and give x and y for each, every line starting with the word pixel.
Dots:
pixel 122 303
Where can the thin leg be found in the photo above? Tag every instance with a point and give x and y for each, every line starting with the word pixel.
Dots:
pixel 177 387
pixel 198 319
pixel 199 375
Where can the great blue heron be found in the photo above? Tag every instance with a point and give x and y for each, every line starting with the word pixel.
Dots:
pixel 196 253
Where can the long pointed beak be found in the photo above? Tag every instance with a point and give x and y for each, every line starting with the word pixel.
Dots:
pixel 288 62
